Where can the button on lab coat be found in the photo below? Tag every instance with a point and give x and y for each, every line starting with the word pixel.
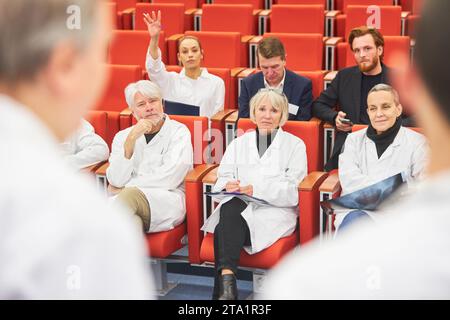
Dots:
pixel 360 167
pixel 275 178
pixel 158 169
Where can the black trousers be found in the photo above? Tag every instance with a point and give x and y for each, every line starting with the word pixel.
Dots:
pixel 230 236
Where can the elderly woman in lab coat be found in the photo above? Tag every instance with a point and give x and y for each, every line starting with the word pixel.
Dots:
pixel 150 160
pixel 268 164
pixel 382 150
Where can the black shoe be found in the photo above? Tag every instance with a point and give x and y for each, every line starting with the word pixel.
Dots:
pixel 216 290
pixel 228 287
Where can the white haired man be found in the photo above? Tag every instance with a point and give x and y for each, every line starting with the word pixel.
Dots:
pixel 149 161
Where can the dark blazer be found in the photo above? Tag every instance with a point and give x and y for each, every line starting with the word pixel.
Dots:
pixel 345 92
pixel 297 89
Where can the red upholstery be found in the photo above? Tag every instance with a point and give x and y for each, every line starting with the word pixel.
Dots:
pixel 342 5
pixel 222 49
pixel 125 4
pixel 229 17
pixel 316 78
pixel 322 2
pixel 297 19
pixel 304 51
pixel 173 19
pixel 202 249
pixel 413 6
pixel 257 4
pixel 119 77
pixel 99 120
pixel 163 244
pixel 390 19
pixel 130 47
pixel 392 44
pixel 188 4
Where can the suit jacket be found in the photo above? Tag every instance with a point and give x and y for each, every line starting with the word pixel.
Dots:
pixel 297 89
pixel 345 92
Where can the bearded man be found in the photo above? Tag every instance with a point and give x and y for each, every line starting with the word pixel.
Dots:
pixel 349 89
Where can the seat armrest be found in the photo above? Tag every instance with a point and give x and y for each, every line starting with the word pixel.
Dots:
pixel 101 171
pixel 233 117
pixel 222 115
pixel 198 173
pixel 331 184
pixel 211 177
pixel 312 181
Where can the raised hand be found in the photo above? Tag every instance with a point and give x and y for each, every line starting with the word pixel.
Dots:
pixel 153 23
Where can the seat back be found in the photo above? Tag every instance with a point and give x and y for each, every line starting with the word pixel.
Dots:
pixel 120 76
pixel 392 44
pixel 303 2
pixel 188 4
pixel 125 4
pixel 99 120
pixel 316 78
pixel 112 9
pixel 342 5
pixel 221 49
pixel 257 4
pixel 308 131
pixel 172 17
pixel 130 47
pixel 297 19
pixel 198 126
pixel 217 17
pixel 304 51
pixel 389 19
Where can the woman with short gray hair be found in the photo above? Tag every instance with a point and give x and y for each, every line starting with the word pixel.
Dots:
pixel 267 164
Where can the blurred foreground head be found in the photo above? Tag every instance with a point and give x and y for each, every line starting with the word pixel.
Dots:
pixel 51 57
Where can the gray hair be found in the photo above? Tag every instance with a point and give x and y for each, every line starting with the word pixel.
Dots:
pixel 30 29
pixel 387 88
pixel 277 99
pixel 145 87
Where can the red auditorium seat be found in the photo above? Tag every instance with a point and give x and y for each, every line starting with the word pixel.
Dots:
pixel 298 19
pixel 129 47
pixel 229 17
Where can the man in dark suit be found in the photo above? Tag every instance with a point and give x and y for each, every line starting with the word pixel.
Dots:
pixel 272 61
pixel 351 86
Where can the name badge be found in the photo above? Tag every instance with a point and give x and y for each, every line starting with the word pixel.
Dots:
pixel 293 109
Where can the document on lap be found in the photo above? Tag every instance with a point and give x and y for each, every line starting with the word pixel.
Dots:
pixel 242 196
pixel 179 108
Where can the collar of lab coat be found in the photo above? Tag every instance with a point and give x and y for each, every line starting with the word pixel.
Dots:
pixel 204 74
pixel 399 139
pixel 274 145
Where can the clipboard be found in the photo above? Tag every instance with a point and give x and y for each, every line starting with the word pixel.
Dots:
pixel 181 109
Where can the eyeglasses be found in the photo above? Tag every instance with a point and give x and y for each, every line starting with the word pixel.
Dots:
pixel 279 91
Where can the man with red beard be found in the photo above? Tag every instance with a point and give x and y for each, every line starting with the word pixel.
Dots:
pixel 351 86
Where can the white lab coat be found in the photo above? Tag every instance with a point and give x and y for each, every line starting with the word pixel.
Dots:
pixel 207 91
pixel 275 178
pixel 158 169
pixel 360 167
pixel 84 148
pixel 58 237
pixel 405 256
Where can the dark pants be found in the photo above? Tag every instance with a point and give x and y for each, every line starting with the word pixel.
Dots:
pixel 230 236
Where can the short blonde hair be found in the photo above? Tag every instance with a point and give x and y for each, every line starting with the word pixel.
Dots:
pixel 277 99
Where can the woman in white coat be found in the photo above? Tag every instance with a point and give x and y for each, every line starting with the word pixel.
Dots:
pixel 382 150
pixel 194 85
pixel 268 164
pixel 150 160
